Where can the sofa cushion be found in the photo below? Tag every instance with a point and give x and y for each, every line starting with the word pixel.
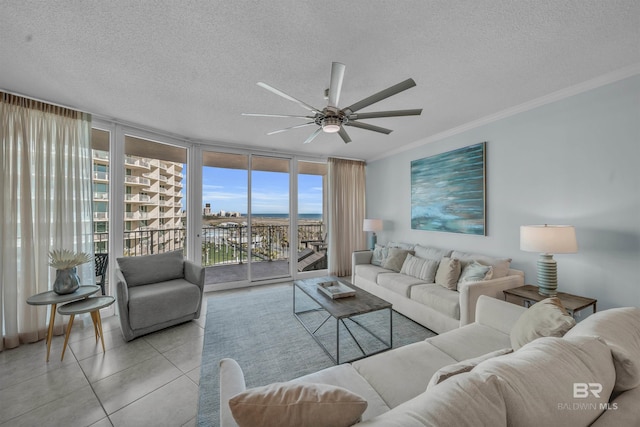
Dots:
pixel 162 302
pixel 470 341
pixel 429 252
pixel 620 329
pixel 467 400
pixel 141 270
pixel 438 298
pixel 500 265
pixel 370 272
pixel 399 283
pixel 448 273
pixel 395 259
pixel 420 268
pixel 401 245
pixel 467 365
pixel 380 253
pixel 537 381
pixel 347 376
pixel 475 272
pixel 402 373
pixel 297 404
pixel 546 318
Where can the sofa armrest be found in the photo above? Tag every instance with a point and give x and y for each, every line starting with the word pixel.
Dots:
pixel 194 273
pixel 231 383
pixel 471 291
pixel 359 257
pixel 122 300
pixel 497 314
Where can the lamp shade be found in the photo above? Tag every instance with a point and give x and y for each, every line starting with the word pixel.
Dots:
pixel 372 225
pixel 550 239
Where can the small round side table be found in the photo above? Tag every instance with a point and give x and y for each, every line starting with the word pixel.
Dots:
pixel 53 299
pixel 88 305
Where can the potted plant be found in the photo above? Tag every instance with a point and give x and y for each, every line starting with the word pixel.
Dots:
pixel 65 262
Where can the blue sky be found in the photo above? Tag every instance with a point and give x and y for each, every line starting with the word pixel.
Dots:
pixel 226 189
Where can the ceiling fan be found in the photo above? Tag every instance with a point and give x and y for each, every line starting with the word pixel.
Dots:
pixel 332 119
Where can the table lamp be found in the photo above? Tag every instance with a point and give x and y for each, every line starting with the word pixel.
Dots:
pixel 548 240
pixel 372 225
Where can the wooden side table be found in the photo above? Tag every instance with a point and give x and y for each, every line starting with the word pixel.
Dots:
pixel 87 305
pixel 528 295
pixel 53 299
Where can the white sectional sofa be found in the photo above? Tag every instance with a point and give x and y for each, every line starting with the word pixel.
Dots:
pixel 532 386
pixel 410 283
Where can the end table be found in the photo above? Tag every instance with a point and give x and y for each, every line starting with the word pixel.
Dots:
pixel 53 299
pixel 88 305
pixel 528 295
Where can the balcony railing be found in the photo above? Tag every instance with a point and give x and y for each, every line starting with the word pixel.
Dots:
pixel 101 176
pixel 136 180
pixel 132 161
pixel 143 198
pixel 100 195
pixel 220 244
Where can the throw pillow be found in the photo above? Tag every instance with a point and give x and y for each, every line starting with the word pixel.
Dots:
pixel 475 272
pixel 379 254
pixel 546 318
pixel 395 259
pixel 449 371
pixel 297 404
pixel 500 265
pixel 419 268
pixel 620 330
pixel 448 273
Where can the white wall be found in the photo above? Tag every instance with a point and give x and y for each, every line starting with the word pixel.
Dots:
pixel 575 161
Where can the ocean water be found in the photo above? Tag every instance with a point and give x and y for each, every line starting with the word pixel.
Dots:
pixel 284 216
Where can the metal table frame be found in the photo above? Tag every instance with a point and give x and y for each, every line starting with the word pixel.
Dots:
pixel 341 320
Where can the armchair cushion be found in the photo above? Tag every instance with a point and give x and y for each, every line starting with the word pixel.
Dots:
pixel 142 270
pixel 159 302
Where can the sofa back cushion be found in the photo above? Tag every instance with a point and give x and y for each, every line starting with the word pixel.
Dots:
pixel 620 330
pixel 466 400
pixel 142 270
pixel 429 252
pixel 500 265
pixel 538 381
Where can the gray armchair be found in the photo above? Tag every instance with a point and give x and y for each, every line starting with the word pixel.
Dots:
pixel 157 291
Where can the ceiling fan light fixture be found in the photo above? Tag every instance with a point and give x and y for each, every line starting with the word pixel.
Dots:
pixel 331 125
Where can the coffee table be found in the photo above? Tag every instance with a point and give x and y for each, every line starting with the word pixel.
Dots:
pixel 343 311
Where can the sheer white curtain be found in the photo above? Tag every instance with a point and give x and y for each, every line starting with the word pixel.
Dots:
pixel 347 183
pixel 46 204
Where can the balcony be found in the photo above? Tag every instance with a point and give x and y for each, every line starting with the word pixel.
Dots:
pixel 137 163
pixel 99 195
pixel 165 203
pixel 137 198
pixel 137 180
pixel 101 216
pixel 134 216
pixel 101 176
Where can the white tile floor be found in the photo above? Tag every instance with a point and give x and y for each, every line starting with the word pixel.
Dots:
pixel 151 381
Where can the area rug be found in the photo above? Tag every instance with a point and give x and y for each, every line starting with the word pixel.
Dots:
pixel 257 328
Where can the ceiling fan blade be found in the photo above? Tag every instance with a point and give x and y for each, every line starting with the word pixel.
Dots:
pixel 368 127
pixel 378 114
pixel 313 135
pixel 292 127
pixel 276 115
pixel 335 87
pixel 344 135
pixel 289 97
pixel 383 94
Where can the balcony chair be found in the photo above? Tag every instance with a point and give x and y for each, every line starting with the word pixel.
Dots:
pixel 101 261
pixel 157 291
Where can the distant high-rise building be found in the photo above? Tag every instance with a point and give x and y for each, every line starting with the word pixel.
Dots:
pixel 207 209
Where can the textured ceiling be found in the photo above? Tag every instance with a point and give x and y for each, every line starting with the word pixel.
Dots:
pixel 190 67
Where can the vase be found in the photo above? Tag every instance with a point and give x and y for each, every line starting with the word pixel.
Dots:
pixel 67 281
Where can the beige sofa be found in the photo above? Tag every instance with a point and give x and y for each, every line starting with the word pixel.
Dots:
pixel 533 386
pixel 433 305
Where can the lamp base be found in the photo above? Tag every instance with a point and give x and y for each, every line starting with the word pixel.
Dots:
pixel 547 275
pixel 372 240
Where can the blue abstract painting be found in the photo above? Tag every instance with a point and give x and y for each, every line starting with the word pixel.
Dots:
pixel 448 191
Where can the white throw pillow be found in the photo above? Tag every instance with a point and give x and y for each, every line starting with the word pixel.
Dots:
pixel 420 268
pixel 475 272
pixel 297 404
pixel 380 253
pixel 620 330
pixel 546 318
pixel 449 371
